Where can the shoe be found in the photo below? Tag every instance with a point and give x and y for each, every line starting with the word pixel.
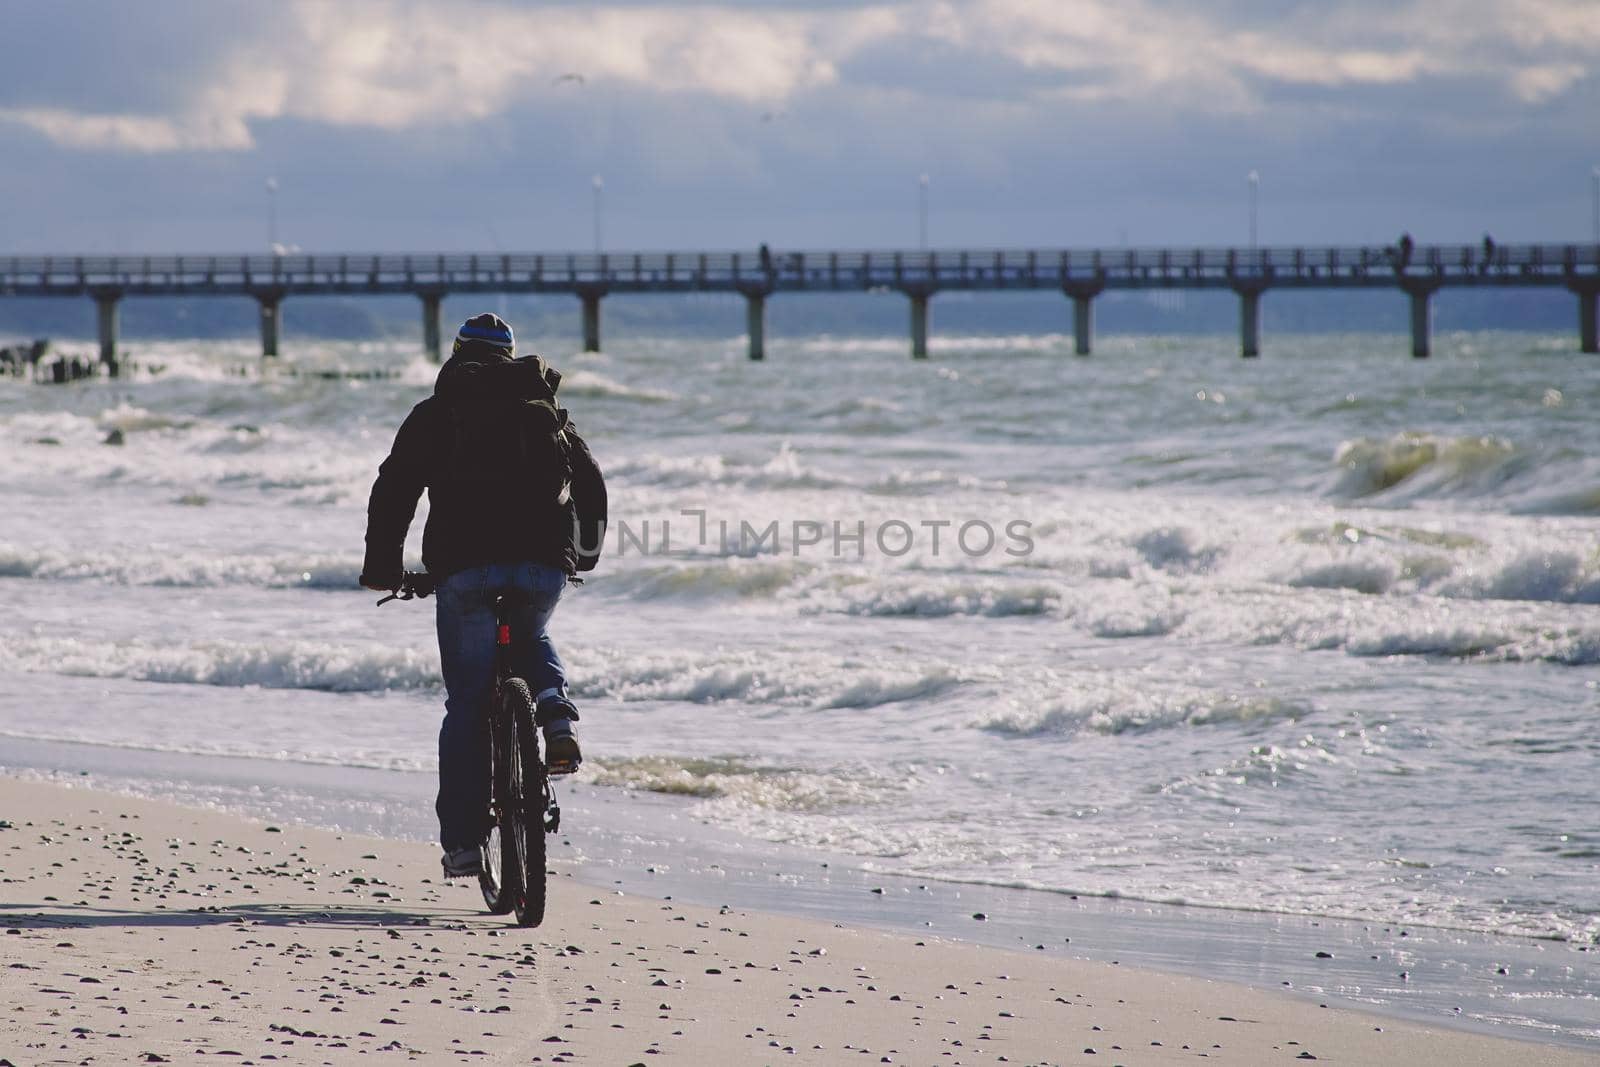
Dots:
pixel 463 863
pixel 561 754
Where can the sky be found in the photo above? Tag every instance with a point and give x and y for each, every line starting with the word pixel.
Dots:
pixel 454 125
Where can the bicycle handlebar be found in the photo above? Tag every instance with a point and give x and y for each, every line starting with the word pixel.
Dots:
pixel 413 584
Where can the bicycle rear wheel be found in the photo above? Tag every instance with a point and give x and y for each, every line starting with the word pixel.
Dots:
pixel 499 878
pixel 526 801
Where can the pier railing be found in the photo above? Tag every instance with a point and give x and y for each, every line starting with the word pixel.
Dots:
pixel 1079 273
pixel 1331 267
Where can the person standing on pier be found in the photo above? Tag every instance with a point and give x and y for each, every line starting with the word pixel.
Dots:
pixel 517 505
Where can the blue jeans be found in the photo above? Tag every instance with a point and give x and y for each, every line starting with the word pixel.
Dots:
pixel 466 654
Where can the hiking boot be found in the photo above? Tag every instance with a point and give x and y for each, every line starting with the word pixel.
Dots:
pixel 561 754
pixel 463 862
pixel 557 714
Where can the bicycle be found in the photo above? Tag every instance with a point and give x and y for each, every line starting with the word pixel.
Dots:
pixel 522 801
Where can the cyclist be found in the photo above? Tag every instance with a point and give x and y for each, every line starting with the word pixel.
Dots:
pixel 517 506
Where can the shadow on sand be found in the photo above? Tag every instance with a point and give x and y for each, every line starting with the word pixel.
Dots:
pixel 65 917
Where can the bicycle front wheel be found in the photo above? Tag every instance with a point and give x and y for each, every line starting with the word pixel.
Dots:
pixel 526 802
pixel 499 878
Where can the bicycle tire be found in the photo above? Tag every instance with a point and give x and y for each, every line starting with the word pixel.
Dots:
pixel 499 878
pixel 526 801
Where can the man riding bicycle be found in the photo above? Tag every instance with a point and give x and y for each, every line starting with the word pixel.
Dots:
pixel 517 507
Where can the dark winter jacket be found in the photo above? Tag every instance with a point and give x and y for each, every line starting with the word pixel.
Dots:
pixel 485 503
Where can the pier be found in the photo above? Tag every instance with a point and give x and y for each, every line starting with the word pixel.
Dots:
pixel 1081 275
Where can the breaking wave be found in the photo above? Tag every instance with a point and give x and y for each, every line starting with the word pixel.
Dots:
pixel 588 385
pixel 1109 706
pixel 783 470
pixel 1422 462
pixel 1414 466
pixel 730 779
pixel 800 681
pixel 276 665
pixel 181 570
pixel 907 596
pixel 732 577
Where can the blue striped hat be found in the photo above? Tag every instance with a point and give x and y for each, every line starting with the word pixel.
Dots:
pixel 487 328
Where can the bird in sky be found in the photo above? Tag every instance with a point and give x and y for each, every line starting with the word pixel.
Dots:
pixel 567 77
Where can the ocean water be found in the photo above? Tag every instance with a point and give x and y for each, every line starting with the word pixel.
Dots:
pixel 1317 633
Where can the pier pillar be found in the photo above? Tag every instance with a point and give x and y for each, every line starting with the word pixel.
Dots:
pixel 755 319
pixel 919 321
pixel 1250 318
pixel 269 302
pixel 431 342
pixel 108 320
pixel 1420 293
pixel 1588 293
pixel 1082 294
pixel 591 317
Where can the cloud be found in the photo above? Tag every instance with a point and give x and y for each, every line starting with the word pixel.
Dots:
pixel 1536 84
pixel 394 65
pixel 400 125
pixel 391 66
pixel 131 133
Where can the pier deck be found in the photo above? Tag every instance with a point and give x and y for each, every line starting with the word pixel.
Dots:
pixel 1080 274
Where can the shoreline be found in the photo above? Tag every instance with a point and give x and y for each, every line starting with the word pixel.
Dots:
pixel 1325 961
pixel 185 930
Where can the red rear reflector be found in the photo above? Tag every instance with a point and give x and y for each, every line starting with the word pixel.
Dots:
pixel 504 636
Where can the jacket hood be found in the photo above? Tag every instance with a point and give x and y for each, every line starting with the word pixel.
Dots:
pixel 483 373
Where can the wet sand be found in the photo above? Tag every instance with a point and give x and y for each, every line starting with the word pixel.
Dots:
pixel 137 931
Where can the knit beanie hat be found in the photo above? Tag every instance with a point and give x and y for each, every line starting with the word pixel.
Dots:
pixel 486 329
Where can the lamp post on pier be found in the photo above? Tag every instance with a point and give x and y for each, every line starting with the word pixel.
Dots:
pixel 272 215
pixel 1254 181
pixel 599 184
pixel 1594 184
pixel 922 212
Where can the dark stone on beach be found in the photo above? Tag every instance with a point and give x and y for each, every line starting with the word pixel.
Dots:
pixel 980 916
pixel 1324 955
pixel 116 437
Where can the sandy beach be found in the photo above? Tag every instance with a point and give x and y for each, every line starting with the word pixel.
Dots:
pixel 145 932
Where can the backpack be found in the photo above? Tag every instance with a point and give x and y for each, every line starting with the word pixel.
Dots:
pixel 511 435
